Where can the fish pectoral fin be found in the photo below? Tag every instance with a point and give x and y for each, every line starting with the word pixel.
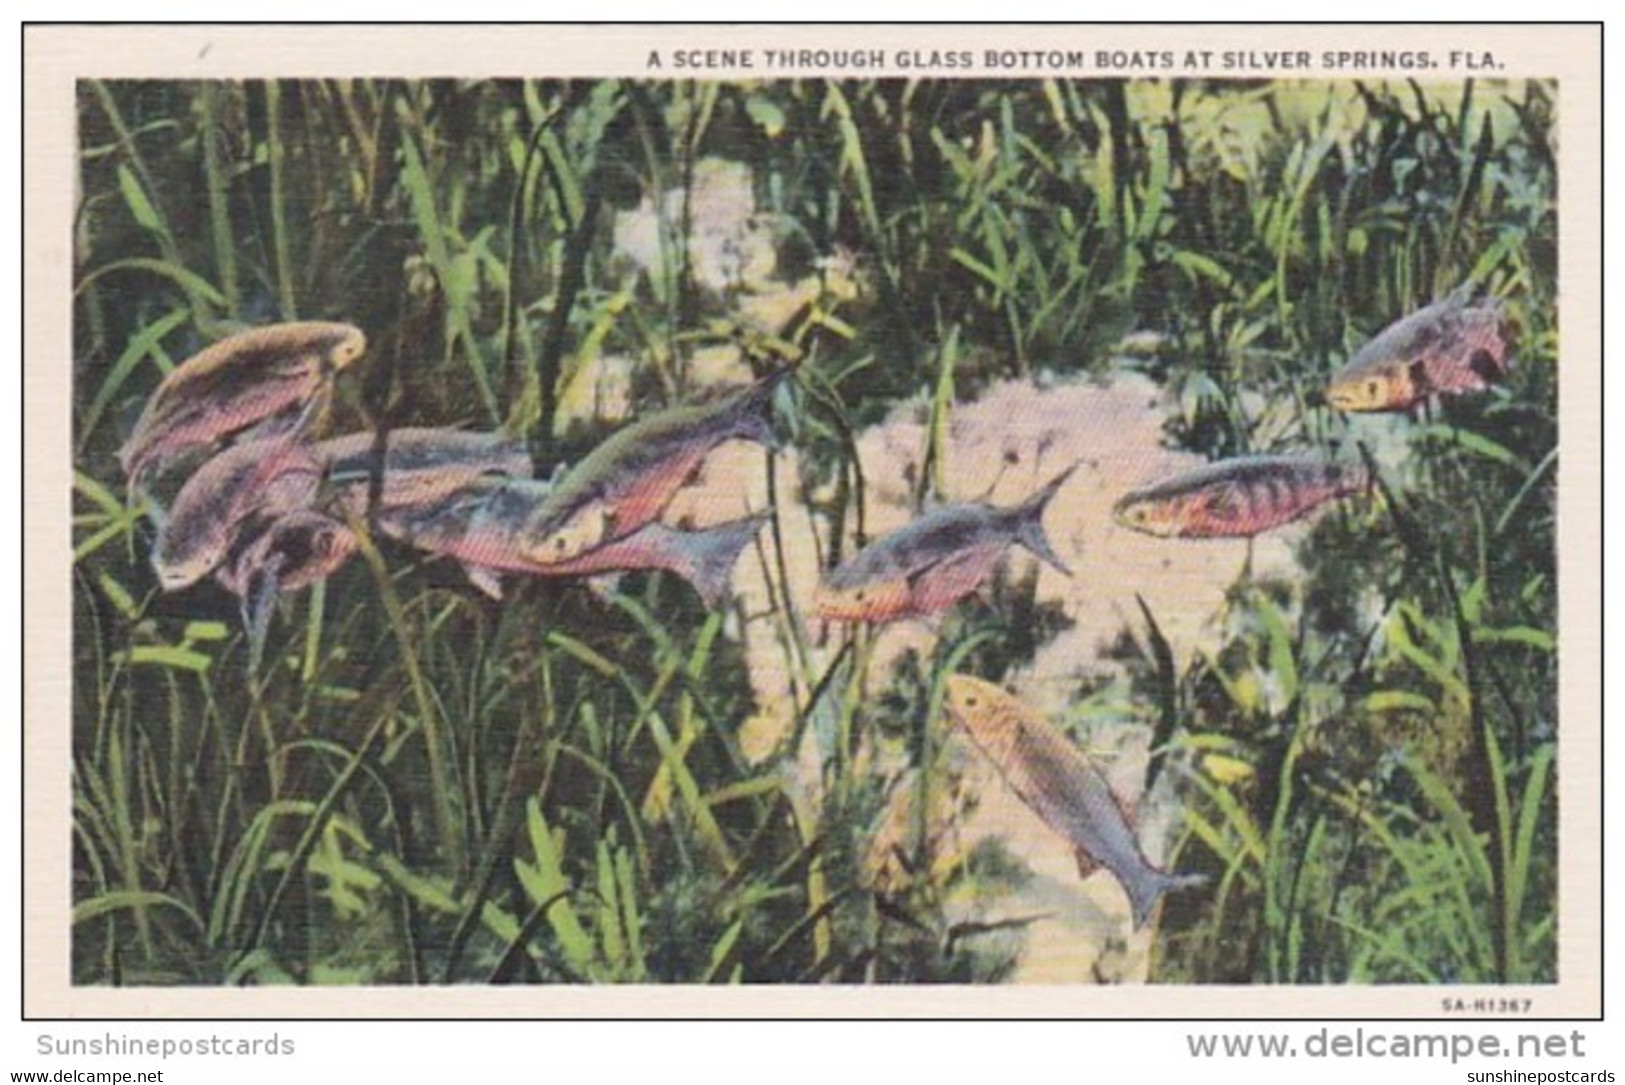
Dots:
pixel 484 578
pixel 928 624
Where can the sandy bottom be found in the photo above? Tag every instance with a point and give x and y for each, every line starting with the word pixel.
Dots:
pixel 1017 436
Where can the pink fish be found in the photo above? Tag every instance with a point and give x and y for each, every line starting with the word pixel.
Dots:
pixel 1449 348
pixel 490 526
pixel 279 555
pixel 271 477
pixel 629 479
pixel 272 376
pixel 301 547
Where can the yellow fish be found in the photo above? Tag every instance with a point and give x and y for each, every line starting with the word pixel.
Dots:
pixel 1056 781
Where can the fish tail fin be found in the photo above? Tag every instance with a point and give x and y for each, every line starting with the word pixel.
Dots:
pixel 1030 521
pixel 1146 892
pixel 711 555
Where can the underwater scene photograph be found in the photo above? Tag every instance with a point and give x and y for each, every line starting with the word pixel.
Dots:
pixel 814 531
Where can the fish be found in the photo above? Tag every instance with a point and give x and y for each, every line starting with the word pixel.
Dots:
pixel 272 476
pixel 1451 347
pixel 277 555
pixel 1239 497
pixel 1054 779
pixel 627 481
pixel 263 477
pixel 419 464
pixel 491 528
pixel 936 560
pixel 273 376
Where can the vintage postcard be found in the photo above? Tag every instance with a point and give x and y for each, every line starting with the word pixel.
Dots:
pixel 875 521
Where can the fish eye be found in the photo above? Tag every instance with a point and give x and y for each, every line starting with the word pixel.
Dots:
pixel 1371 388
pixel 971 701
pixel 561 544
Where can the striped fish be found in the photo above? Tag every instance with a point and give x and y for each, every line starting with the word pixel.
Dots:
pixel 491 527
pixel 1054 779
pixel 1239 497
pixel 936 560
pixel 264 478
pixel 419 464
pixel 271 477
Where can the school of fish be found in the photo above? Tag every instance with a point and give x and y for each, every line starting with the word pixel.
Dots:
pixel 265 509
